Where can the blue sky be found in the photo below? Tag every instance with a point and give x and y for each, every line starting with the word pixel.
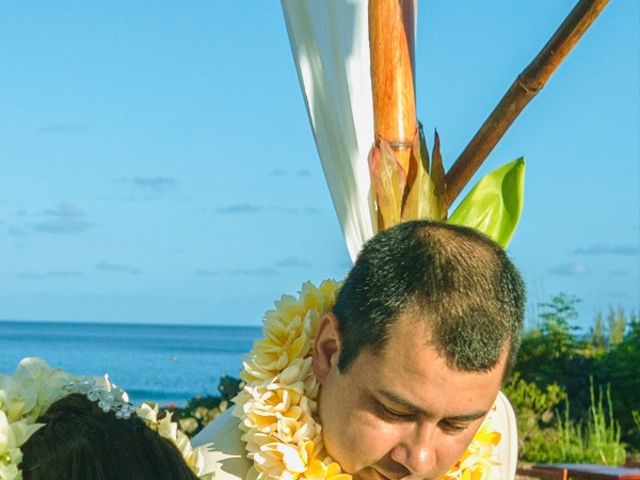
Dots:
pixel 157 164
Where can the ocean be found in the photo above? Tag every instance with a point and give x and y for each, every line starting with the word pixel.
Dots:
pixel 159 363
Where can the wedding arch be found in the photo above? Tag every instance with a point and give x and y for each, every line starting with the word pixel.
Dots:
pixel 355 63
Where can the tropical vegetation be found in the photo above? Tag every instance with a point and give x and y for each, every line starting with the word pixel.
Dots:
pixel 576 394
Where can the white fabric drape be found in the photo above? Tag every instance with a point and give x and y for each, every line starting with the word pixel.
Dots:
pixel 330 44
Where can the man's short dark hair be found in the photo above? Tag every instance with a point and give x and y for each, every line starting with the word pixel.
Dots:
pixel 459 281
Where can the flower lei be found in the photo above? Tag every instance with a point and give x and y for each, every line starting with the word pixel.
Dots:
pixel 277 405
pixel 35 386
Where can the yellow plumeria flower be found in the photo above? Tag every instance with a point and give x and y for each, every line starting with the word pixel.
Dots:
pixel 320 471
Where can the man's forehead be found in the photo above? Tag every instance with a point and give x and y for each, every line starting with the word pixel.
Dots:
pixel 419 325
pixel 411 324
pixel 410 370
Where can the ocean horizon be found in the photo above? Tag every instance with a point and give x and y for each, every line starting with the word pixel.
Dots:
pixel 163 363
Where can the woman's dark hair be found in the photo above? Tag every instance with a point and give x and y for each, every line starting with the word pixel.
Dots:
pixel 81 442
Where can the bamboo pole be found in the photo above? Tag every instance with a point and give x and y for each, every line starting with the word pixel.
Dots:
pixel 391 41
pixel 525 87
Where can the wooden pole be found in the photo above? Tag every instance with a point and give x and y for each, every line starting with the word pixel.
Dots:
pixel 525 87
pixel 391 41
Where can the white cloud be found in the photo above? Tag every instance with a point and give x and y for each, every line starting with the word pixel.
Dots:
pixel 157 184
pixel 601 249
pixel 575 269
pixel 65 218
pixel 117 268
pixel 290 262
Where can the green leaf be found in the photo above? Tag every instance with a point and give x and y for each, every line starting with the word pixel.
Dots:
pixel 494 205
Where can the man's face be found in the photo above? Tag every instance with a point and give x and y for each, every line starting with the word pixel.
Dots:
pixel 402 412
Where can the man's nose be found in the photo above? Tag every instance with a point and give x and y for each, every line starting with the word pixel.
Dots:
pixel 417 450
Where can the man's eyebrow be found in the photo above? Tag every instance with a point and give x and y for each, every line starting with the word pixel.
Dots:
pixel 468 417
pixel 398 400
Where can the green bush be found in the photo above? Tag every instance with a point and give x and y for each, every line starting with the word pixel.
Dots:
pixel 199 411
pixel 546 436
pixel 597 441
pixel 554 350
pixel 535 410
pixel 619 368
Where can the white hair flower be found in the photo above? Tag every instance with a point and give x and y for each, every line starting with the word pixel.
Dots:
pixel 35 386
pixel 12 436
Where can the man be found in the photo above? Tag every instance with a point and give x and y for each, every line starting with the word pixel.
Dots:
pixel 410 359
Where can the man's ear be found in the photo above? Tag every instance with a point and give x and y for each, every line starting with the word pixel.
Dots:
pixel 326 346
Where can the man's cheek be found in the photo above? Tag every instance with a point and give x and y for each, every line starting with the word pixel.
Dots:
pixel 368 440
pixel 451 448
pixel 349 446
